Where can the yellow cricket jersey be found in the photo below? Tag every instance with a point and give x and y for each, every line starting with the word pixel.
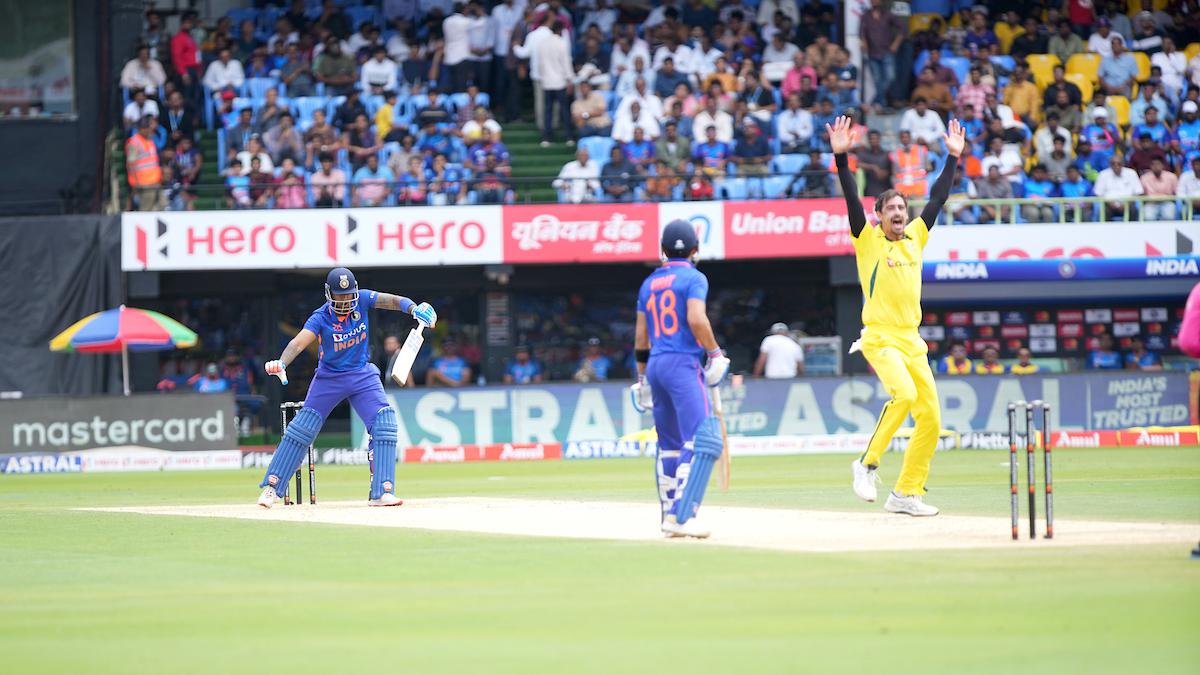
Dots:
pixel 985 369
pixel 1018 369
pixel 951 368
pixel 890 275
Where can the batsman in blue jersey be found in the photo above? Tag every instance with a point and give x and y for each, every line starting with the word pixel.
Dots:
pixel 673 337
pixel 341 330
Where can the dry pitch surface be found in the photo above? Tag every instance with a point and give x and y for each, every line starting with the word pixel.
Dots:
pixel 761 528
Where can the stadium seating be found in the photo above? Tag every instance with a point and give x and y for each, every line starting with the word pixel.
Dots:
pixel 1084 83
pixel 1042 67
pixel 1120 106
pixel 1143 63
pixel 1085 64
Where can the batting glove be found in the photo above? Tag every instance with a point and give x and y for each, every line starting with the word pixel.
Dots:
pixel 425 314
pixel 639 392
pixel 717 368
pixel 276 368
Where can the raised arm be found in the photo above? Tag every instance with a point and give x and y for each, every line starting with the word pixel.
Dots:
pixel 841 139
pixel 422 312
pixel 955 141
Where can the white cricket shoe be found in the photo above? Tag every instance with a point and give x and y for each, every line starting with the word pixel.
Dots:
pixel 386 499
pixel 913 505
pixel 865 479
pixel 268 497
pixel 692 528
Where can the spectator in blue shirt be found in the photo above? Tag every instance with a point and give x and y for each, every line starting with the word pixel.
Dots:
pixel 1152 127
pixel 433 141
pixel 1104 357
pixel 449 369
pixel 1089 163
pixel 1117 74
pixel 1075 185
pixel 1140 358
pixel 1148 98
pixel 372 183
pixel 594 365
pixel 212 382
pixel 980 39
pixel 1103 136
pixel 1187 134
pixel 1039 186
pixel 639 151
pixel 824 116
pixel 668 78
pixel 523 369
pixel 712 154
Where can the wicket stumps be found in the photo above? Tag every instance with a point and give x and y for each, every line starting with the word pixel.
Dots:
pixel 1015 409
pixel 287 412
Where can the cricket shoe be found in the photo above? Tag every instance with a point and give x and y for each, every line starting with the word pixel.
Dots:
pixel 865 479
pixel 268 497
pixel 673 529
pixel 913 505
pixel 385 499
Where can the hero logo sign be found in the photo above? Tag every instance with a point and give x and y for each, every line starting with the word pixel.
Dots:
pixel 192 241
pixel 416 232
pixel 1025 242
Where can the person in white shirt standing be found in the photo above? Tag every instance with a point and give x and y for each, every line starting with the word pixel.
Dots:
pixel 528 49
pixel 456 51
pixel 552 64
pixel 779 357
pixel 579 180
pixel 379 73
pixel 481 37
pixel 1118 181
pixel 505 17
pixel 1173 64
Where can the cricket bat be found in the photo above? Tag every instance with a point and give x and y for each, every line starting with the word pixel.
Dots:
pixel 724 461
pixel 408 354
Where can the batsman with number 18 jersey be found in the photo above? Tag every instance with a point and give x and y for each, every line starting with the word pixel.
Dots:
pixel 889 261
pixel 672 336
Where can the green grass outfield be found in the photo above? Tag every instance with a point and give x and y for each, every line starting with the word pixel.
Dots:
pixel 87 592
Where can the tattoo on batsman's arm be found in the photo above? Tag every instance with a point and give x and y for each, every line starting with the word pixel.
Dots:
pixel 298 344
pixel 389 301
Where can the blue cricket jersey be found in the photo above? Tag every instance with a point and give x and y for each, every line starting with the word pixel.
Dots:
pixel 342 340
pixel 663 299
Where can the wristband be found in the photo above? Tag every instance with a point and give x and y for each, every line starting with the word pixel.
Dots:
pixel 715 353
pixel 406 305
pixel 642 355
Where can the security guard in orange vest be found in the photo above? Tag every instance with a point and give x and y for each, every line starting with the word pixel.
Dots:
pixel 957 363
pixel 911 164
pixel 141 163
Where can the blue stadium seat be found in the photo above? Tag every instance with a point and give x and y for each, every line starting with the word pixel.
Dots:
pixel 256 87
pixel 931 7
pixel 788 164
pixel 733 188
pixel 598 147
pixel 240 14
pixel 304 108
pixel 961 66
pixel 361 15
pixel 373 102
pixel 774 186
pixel 220 150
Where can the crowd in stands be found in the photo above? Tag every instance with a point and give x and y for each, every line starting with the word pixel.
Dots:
pixel 350 103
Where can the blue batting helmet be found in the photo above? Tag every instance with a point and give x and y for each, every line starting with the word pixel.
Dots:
pixel 340 281
pixel 679 239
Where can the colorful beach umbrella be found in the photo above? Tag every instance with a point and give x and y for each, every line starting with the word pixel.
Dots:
pixel 123 329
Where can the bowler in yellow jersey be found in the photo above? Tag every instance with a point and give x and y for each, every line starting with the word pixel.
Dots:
pixel 889 261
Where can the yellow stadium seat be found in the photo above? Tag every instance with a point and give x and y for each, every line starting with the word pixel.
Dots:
pixel 1042 67
pixel 919 22
pixel 1191 50
pixel 1085 64
pixel 1005 34
pixel 1120 105
pixel 1135 8
pixel 1143 62
pixel 1085 85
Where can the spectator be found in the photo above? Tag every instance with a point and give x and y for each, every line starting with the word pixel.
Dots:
pixel 456 48
pixel 1152 127
pixel 1104 357
pixel 490 184
pixel 930 39
pixel 1039 186
pixel 1067 113
pixel 211 382
pixel 962 191
pixel 1147 98
pixel 179 119
pixel 523 369
pixel 618 178
pixel 285 33
pixel 795 127
pixel 334 20
pixel 142 166
pixel 320 138
pixel 594 365
pixel 335 69
pixel 486 148
pixel 185 57
pixel 876 166
pixel 1075 185
pixel 289 187
pixel 910 162
pixel 956 362
pixel 627 83
pixel 578 180
pixel 224 73
pixel 1140 358
pixel 245 43
pixel 941 73
pixel 1023 97
pixel 974 128
pixel 433 112
pixel 794 80
pixel 1189 184
pixel 1100 42
pixel 372 183
pixel 1024 364
pixel 261 183
pixel 924 125
pixel 689 105
pixel 1173 64
pixel 814 180
pixel 639 151
pixel 391 351
pixel 1065 42
pixel 188 162
pixel 143 72
pixel 673 149
pixel 449 369
pixel 1032 40
pixel 1158 182
pixel 254 149
pixel 555 73
pixel 778 58
pixel 360 142
pixel 935 94
pixel 990 365
pixel 713 154
pixel 385 118
pixel 668 78
pixel 779 356
pixel 822 119
pixel 1059 83
pixel 445 183
pixel 1147 151
pixel 378 74
pixel 1089 163
pixel 1099 102
pixel 1102 136
pixel 1118 73
pixel 1057 160
pixel 635 119
pixel 712 116
pixel 284 141
pixel 589 112
pixel 975 92
pixel 328 183
pixel 698 187
pixel 660 186
pixel 473 130
pixel 1117 182
pixel 237 186
pixel 1147 38
pixel 1043 140
pixel 268 115
pixel 238 135
pixel 752 153
pixel 641 95
pixel 296 73
pixel 411 188
pixel 881 33
pixel 138 109
pixel 993 186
